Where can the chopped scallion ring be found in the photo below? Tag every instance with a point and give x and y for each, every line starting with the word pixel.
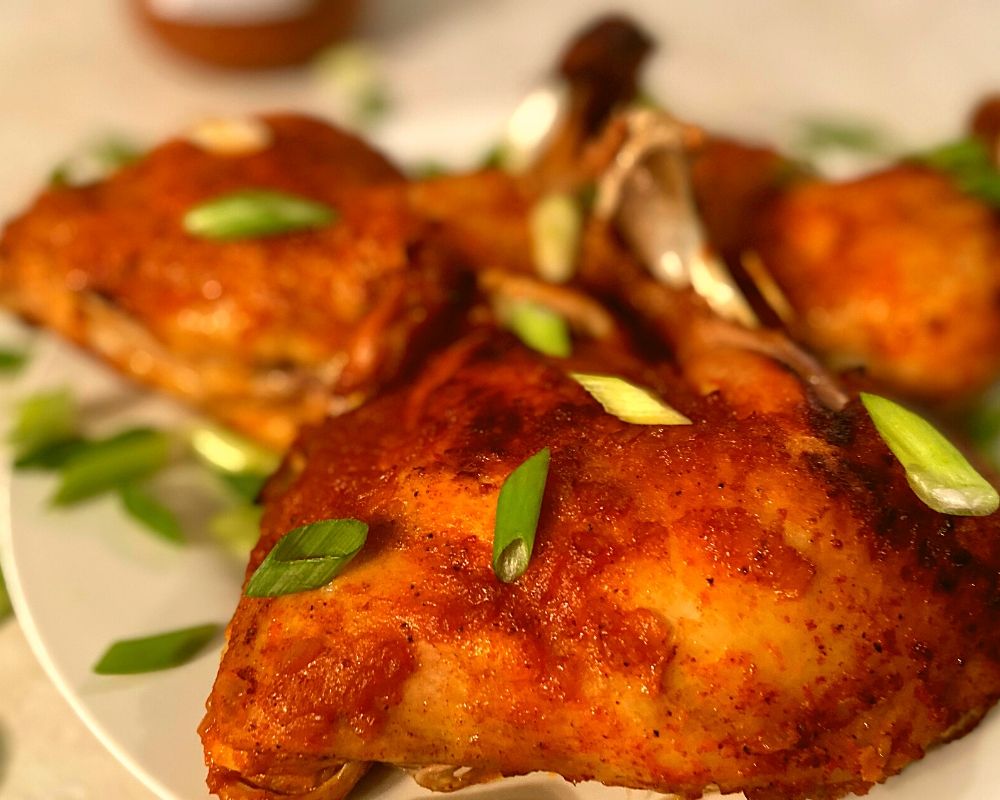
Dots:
pixel 42 420
pixel 51 456
pixel 105 465
pixel 556 223
pixel 819 136
pixel 5 606
pixel 540 328
pixel 149 511
pixel 12 360
pixel 628 402
pixel 230 452
pixel 518 507
pixel 253 213
pixel 308 557
pixel 237 529
pixel 153 653
pixel 95 162
pixel 352 71
pixel 245 485
pixel 969 164
pixel 935 469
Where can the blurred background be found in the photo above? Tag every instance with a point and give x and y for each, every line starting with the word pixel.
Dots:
pixel 448 71
pixel 428 79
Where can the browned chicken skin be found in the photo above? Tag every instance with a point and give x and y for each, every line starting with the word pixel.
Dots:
pixel 262 332
pixel 756 601
pixel 898 271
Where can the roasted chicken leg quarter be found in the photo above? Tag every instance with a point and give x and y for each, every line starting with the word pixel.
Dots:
pixel 895 271
pixel 262 332
pixel 756 601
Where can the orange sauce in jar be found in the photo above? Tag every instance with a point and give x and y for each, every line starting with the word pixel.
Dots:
pixel 249 34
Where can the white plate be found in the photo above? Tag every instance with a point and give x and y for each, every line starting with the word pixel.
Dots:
pixel 82 578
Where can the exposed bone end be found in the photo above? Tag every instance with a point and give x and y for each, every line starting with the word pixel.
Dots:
pixel 646 191
pixel 584 314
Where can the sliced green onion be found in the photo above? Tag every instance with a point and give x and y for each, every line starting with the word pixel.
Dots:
pixel 970 166
pixel 936 471
pixel 646 98
pixel 243 465
pixel 372 106
pixel 245 485
pixel 628 402
pixel 308 557
pixel 237 529
pixel 982 425
pixel 957 156
pixel 230 452
pixel 106 464
pixel 556 224
pixel 51 456
pixel 149 511
pixel 42 420
pixel 540 328
pixel 12 360
pixel 152 653
pixel 428 170
pixel 352 71
pixel 95 161
pixel 5 606
pixel 494 158
pixel 518 508
pixel 255 212
pixel 820 136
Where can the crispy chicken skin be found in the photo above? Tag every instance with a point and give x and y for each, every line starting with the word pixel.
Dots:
pixel 898 271
pixel 262 332
pixel 895 271
pixel 755 601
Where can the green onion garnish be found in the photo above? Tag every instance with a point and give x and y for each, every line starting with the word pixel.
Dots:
pixel 253 213
pixel 152 653
pixel 51 456
pixel 245 485
pixel 628 402
pixel 308 557
pixel 12 360
pixel 230 452
pixel 5 606
pixel 237 529
pixel 494 158
pixel 555 223
pixel 42 420
pixel 352 71
pixel 518 508
pixel 106 464
pixel 982 424
pixel 95 161
pixel 149 511
pixel 936 471
pixel 969 165
pixel 540 328
pixel 822 135
pixel 427 170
